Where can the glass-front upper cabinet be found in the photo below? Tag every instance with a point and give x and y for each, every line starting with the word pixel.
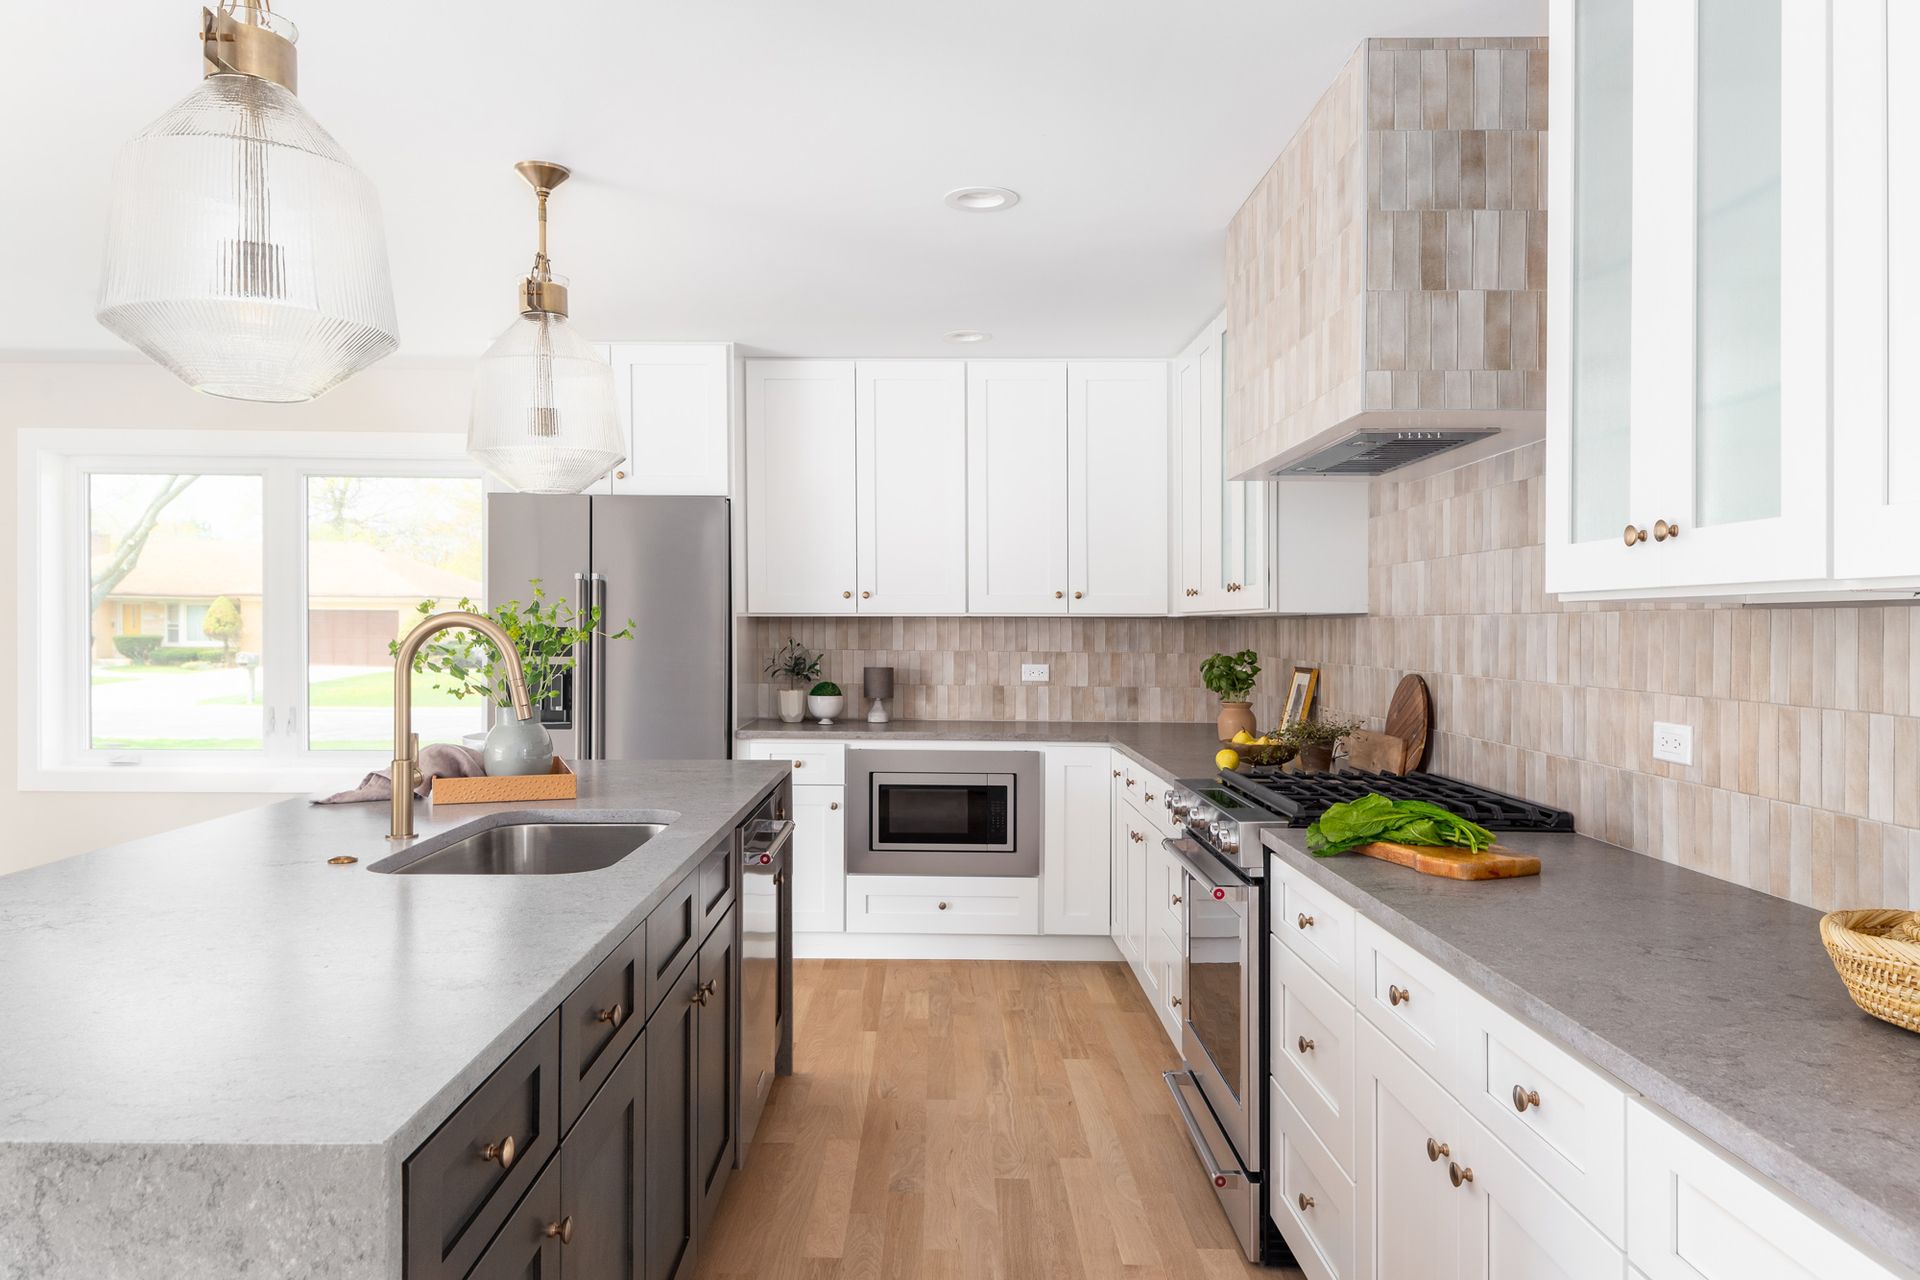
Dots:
pixel 1688 279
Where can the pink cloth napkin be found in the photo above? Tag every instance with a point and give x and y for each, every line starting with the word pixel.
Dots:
pixel 439 760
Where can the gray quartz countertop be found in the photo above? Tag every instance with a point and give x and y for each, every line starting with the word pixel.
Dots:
pixel 1176 750
pixel 223 984
pixel 1715 1002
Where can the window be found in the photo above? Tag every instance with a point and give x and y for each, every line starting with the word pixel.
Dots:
pixel 212 610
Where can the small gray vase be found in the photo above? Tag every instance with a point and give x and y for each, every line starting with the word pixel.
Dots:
pixel 516 748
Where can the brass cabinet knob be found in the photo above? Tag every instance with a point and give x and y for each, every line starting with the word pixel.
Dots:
pixel 1176 899
pixel 1459 1175
pixel 1130 781
pixel 1634 535
pixel 1076 595
pixel 1524 1097
pixel 615 1015
pixel 1147 796
pixel 846 595
pixel 561 1230
pixel 1396 996
pixel 866 595
pixel 1137 837
pixel 1193 591
pixel 833 804
pixel 1436 1149
pixel 1306 1202
pixel 1058 594
pixel 502 1151
pixel 1303 921
pixel 1306 1045
pixel 1662 530
pixel 619 475
pixel 703 993
pixel 1116 773
pixel 799 764
pixel 943 906
pixel 1174 1001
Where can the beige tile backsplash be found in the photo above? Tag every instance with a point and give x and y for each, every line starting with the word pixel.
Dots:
pixel 1806 773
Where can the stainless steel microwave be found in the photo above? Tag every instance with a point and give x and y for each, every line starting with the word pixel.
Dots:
pixel 946 813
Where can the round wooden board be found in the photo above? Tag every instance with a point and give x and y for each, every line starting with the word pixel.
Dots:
pixel 1409 716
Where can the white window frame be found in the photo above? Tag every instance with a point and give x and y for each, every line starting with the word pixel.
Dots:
pixel 53 679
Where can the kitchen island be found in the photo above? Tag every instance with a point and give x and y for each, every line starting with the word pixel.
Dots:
pixel 220 1047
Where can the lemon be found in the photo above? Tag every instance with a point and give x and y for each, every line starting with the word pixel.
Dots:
pixel 1243 737
pixel 1227 758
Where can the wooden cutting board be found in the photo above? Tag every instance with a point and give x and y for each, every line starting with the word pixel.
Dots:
pixel 1496 863
pixel 1376 752
pixel 1409 716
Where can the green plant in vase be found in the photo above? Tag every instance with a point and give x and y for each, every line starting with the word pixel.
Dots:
pixel 1230 676
pixel 825 701
pixel 1315 740
pixel 799 667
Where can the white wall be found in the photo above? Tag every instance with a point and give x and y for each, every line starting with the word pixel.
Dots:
pixel 40 826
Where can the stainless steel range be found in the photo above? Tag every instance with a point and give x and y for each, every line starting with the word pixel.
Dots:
pixel 1221 1088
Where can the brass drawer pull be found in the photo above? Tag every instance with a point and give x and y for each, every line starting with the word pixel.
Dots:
pixel 1524 1098
pixel 1136 837
pixel 833 805
pixel 1396 996
pixel 1306 1045
pixel 703 993
pixel 614 1015
pixel 1436 1149
pixel 866 595
pixel 502 1151
pixel 1076 595
pixel 1130 781
pixel 1662 530
pixel 1306 1202
pixel 1459 1175
pixel 1116 773
pixel 1176 899
pixel 1303 920
pixel 1147 796
pixel 1058 594
pixel 562 1230
pixel 799 764
pixel 1633 536
pixel 846 595
pixel 943 906
pixel 1174 1001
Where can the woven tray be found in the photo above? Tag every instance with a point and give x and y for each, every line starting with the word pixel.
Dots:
pixel 558 783
pixel 1879 960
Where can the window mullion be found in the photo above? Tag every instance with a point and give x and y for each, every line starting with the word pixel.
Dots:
pixel 285 598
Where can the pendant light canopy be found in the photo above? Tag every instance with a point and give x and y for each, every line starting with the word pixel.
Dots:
pixel 244 250
pixel 544 418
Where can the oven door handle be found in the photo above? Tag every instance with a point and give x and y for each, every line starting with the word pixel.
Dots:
pixel 777 845
pixel 1222 1178
pixel 1225 888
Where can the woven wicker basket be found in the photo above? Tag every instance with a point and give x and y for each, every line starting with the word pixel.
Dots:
pixel 1878 956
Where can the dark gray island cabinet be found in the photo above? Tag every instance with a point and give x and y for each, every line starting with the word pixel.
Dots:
pixel 601 1146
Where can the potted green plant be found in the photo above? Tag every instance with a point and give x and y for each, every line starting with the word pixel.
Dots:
pixel 799 667
pixel 825 701
pixel 1231 676
pixel 1316 739
pixel 544 634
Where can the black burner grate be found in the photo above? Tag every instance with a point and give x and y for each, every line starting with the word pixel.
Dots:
pixel 1301 798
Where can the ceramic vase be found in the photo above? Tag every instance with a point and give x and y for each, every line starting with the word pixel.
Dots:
pixel 825 708
pixel 793 706
pixel 515 747
pixel 1317 758
pixel 1235 717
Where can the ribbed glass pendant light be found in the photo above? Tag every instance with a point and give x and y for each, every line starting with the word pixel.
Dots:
pixel 244 250
pixel 544 418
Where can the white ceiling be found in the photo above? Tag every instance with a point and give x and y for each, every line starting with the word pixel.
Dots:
pixel 764 171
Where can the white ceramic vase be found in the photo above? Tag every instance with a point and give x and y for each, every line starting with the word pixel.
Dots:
pixel 793 706
pixel 825 708
pixel 516 748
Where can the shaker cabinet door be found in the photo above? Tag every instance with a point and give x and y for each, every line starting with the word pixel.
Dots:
pixel 603 1166
pixel 819 860
pixel 1017 487
pixel 1408 1221
pixel 717 1065
pixel 911 477
pixel 1076 889
pixel 673 401
pixel 1117 484
pixel 800 486
pixel 672 1075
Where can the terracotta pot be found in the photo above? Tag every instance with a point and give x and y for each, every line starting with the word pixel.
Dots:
pixel 1234 717
pixel 1316 759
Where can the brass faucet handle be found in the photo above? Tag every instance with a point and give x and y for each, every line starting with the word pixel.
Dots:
pixel 413 760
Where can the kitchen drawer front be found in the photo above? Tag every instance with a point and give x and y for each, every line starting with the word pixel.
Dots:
pixel 1148 794
pixel 1312 1053
pixel 933 904
pixel 599 1021
pixel 1573 1128
pixel 460 1186
pixel 814 763
pixel 1312 1197
pixel 715 891
pixel 1166 975
pixel 1410 998
pixel 1694 1214
pixel 1166 894
pixel 673 935
pixel 1316 925
pixel 524 1249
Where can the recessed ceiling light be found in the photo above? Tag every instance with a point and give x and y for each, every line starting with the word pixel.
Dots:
pixel 967 335
pixel 982 199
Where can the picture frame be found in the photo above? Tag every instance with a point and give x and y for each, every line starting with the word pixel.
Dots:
pixel 1300 692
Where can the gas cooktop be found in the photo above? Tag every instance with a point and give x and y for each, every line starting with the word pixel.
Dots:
pixel 1299 799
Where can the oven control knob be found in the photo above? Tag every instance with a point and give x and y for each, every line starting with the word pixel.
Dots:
pixel 1200 820
pixel 1227 836
pixel 1179 805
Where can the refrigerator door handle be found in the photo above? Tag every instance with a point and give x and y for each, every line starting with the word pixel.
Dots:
pixel 584 692
pixel 598 656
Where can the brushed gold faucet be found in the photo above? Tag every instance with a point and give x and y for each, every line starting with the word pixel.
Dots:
pixel 406 743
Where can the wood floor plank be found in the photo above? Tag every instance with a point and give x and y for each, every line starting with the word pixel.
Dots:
pixel 972 1120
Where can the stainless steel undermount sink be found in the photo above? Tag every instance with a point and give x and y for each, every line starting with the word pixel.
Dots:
pixel 533 849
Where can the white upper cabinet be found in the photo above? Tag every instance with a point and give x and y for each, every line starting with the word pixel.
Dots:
pixel 911 478
pixel 800 486
pixel 1117 487
pixel 673 403
pixel 1224 531
pixel 1017 487
pixel 1688 374
pixel 1876 443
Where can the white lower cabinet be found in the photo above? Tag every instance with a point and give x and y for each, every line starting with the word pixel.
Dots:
pixel 943 904
pixel 1076 882
pixel 1312 1196
pixel 819 859
pixel 1693 1215
pixel 1166 969
pixel 1313 1051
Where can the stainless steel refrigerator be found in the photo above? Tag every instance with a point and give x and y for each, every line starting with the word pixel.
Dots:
pixel 666 563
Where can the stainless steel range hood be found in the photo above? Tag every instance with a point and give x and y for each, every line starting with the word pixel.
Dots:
pixel 1386 297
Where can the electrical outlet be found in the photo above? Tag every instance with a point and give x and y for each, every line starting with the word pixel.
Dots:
pixel 1673 742
pixel 1034 672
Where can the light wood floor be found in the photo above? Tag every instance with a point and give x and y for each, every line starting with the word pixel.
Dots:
pixel 972 1118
